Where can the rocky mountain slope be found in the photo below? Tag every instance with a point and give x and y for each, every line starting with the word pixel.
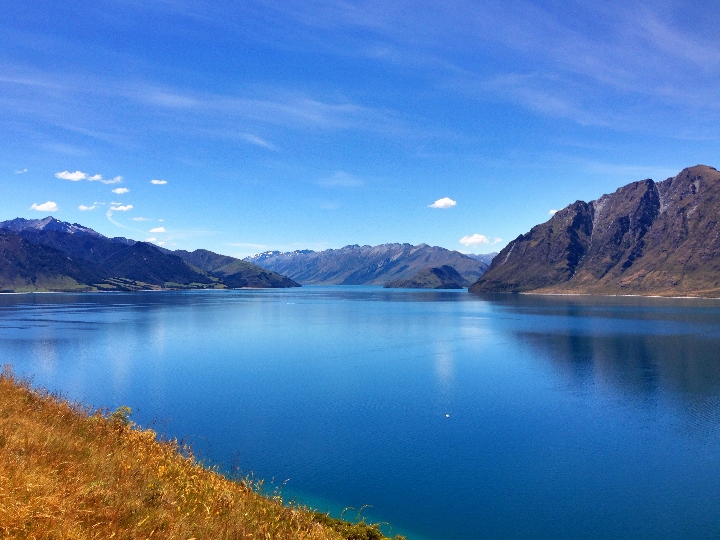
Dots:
pixel 101 263
pixel 444 277
pixel 46 224
pixel 366 265
pixel 648 238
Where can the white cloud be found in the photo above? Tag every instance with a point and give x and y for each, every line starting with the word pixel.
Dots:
pixel 21 171
pixel 497 240
pixel 86 208
pixel 79 175
pixel 141 219
pixel 157 230
pixel 72 176
pixel 120 190
pixel 552 212
pixel 121 208
pixel 158 182
pixel 151 239
pixel 445 202
pixel 161 220
pixel 474 240
pixel 45 207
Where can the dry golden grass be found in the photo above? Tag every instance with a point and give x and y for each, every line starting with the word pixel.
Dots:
pixel 68 473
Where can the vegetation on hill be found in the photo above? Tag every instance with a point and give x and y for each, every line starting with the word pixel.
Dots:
pixel 234 272
pixel 444 277
pixel 67 472
pixel 28 267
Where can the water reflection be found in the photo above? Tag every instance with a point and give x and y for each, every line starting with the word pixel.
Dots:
pixel 686 367
pixel 571 416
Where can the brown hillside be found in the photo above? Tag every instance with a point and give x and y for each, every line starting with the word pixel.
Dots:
pixel 645 238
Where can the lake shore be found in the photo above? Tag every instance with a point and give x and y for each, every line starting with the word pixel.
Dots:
pixel 68 471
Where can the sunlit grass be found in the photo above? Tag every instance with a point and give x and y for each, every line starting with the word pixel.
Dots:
pixel 67 472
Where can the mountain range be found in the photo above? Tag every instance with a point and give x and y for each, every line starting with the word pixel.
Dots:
pixel 646 238
pixel 368 265
pixel 48 254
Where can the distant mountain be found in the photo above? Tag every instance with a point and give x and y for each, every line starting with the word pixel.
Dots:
pixel 445 277
pixel 484 257
pixel 647 238
pixel 366 265
pixel 118 263
pixel 46 224
pixel 29 267
pixel 234 272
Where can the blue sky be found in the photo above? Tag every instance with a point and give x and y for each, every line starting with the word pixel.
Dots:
pixel 288 125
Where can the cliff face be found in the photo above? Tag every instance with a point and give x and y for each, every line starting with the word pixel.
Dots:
pixel 646 238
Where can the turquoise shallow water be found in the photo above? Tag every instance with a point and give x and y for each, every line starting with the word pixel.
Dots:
pixel 452 415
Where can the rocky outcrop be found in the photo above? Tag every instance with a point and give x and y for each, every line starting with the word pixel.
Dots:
pixel 645 238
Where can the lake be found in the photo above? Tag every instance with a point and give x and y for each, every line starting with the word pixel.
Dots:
pixel 453 416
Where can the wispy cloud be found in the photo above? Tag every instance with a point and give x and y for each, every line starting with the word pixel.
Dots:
pixel 340 179
pixel 158 230
pixel 121 208
pixel 277 108
pixel 445 202
pixel 49 206
pixel 21 171
pixel 158 182
pixel 121 190
pixel 141 219
pixel 99 178
pixel 257 141
pixel 84 208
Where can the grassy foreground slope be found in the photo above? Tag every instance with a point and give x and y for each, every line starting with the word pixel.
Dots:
pixel 69 473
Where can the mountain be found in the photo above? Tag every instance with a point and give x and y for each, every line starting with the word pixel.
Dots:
pixel 234 272
pixel 47 224
pixel 123 264
pixel 445 277
pixel 366 265
pixel 29 267
pixel 646 238
pixel 484 257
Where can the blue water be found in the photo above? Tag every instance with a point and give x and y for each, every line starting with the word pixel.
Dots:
pixel 568 417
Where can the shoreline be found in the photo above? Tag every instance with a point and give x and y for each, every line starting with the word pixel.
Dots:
pixel 90 473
